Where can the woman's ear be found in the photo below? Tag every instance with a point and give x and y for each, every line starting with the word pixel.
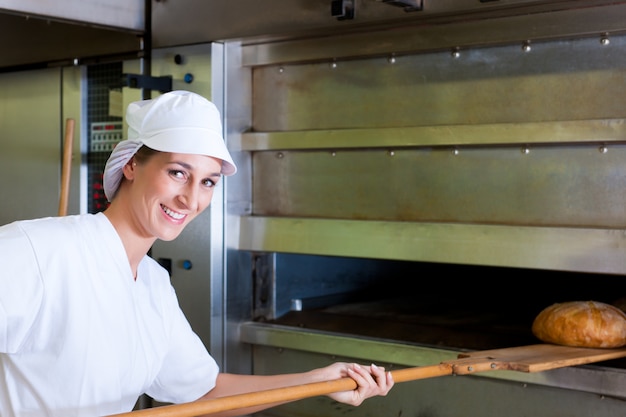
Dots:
pixel 129 169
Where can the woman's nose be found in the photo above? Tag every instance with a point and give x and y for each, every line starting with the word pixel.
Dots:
pixel 189 196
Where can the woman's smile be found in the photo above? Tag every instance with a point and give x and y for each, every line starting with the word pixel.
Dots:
pixel 173 214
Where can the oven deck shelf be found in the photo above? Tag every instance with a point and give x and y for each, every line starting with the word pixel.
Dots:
pixel 597 379
pixel 396 333
pixel 433 322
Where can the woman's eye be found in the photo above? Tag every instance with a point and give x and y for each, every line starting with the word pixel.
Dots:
pixel 177 174
pixel 208 183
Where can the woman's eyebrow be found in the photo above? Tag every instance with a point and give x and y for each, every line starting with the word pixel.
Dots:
pixel 190 168
pixel 182 164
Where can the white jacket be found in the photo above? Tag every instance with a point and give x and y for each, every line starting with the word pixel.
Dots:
pixel 79 337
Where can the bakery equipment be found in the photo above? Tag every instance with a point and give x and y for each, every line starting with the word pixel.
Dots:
pixel 412 191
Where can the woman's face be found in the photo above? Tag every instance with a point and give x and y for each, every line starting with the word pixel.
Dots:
pixel 168 190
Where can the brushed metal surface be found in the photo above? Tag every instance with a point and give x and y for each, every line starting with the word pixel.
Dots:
pixel 500 157
pixel 550 248
pixel 454 137
pixel 455 20
pixel 122 14
pixel 35 107
pixel 558 81
pixel 41 34
pixel 548 186
pixel 457 29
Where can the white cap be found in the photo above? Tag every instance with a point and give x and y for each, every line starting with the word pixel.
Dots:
pixel 178 122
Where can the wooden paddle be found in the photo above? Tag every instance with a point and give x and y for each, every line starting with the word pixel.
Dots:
pixel 533 358
pixel 66 166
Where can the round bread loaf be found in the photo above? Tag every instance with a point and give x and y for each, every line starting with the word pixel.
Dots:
pixel 581 324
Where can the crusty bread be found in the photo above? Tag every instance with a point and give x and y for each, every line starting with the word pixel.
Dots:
pixel 589 324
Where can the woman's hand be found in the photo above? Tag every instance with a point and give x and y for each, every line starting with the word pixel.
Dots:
pixel 371 381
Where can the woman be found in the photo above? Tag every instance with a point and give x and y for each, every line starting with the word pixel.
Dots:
pixel 89 322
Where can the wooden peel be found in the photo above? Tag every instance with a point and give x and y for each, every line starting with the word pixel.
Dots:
pixel 533 358
pixel 66 166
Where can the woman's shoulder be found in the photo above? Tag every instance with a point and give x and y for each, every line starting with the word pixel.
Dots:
pixel 54 230
pixel 44 223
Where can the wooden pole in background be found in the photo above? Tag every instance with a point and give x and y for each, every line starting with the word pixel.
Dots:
pixel 66 166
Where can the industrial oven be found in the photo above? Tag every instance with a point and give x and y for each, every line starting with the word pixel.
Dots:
pixel 416 179
pixel 410 191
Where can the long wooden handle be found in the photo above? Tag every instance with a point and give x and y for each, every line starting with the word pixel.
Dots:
pixel 66 166
pixel 279 395
pixel 533 358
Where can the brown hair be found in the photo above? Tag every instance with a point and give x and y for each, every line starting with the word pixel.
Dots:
pixel 143 154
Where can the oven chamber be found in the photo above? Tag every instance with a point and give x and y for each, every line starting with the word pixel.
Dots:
pixel 408 193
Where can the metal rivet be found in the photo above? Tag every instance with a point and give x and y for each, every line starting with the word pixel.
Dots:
pixel 333 64
pixel 603 149
pixel 391 153
pixel 604 39
pixel 493 366
pixel 525 150
pixel 333 153
pixel 526 46
pixel 280 155
pixel 456 53
pixel 392 59
pixel 455 151
pixel 281 70
pixel 470 368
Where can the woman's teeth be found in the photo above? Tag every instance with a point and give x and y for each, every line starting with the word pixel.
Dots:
pixel 171 213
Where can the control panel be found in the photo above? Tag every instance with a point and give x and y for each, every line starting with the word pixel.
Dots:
pixel 103 137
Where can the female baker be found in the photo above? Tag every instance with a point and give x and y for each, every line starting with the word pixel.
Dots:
pixel 89 322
